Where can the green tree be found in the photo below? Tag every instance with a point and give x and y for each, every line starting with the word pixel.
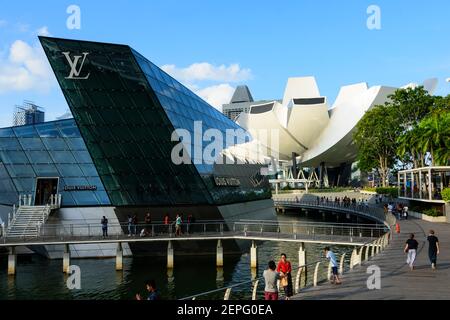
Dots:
pixel 435 137
pixel 376 139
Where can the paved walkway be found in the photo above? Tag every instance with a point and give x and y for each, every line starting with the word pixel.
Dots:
pixel 397 281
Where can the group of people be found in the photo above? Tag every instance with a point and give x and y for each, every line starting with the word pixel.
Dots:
pixel 412 245
pixel 283 273
pixel 400 210
pixel 148 229
pixel 345 201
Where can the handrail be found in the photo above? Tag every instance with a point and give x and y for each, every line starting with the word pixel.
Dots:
pixel 314 231
pixel 237 285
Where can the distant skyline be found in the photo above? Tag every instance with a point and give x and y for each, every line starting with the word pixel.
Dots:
pixel 214 46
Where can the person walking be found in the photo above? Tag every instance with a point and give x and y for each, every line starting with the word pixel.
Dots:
pixel 178 223
pixel 271 278
pixel 148 223
pixel 411 249
pixel 167 223
pixel 285 269
pixel 135 225
pixel 334 266
pixel 104 223
pixel 130 225
pixel 433 249
pixel 405 212
pixel 150 286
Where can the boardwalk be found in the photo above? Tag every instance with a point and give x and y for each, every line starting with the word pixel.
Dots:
pixel 398 282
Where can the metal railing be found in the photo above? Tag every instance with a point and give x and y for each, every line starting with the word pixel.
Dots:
pixel 261 229
pixel 361 209
pixel 364 253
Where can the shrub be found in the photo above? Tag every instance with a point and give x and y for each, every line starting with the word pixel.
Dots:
pixel 446 194
pixel 393 192
pixel 432 213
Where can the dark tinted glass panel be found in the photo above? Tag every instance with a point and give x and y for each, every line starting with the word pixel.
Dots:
pixel 31 144
pixel 55 144
pixel 13 157
pixel 26 132
pixel 39 157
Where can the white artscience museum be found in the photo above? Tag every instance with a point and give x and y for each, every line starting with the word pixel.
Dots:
pixel 313 133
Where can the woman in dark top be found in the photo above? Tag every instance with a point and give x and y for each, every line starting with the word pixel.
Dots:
pixel 433 250
pixel 411 249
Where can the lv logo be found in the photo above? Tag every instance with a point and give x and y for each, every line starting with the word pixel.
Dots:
pixel 76 66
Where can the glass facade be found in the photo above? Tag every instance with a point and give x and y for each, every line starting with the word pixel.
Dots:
pixel 126 109
pixel 48 150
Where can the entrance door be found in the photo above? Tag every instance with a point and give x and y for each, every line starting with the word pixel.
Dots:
pixel 45 187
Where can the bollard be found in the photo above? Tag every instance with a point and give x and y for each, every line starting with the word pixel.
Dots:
pixel 219 256
pixel 119 257
pixel 170 262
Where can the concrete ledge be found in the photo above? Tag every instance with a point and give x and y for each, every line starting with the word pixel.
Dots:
pixel 427 218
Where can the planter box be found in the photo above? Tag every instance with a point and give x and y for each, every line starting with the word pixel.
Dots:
pixel 428 218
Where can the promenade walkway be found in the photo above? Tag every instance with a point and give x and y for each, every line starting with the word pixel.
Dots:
pixel 397 281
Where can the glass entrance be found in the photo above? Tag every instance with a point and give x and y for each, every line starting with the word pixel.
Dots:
pixel 45 188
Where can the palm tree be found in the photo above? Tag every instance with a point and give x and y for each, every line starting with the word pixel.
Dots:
pixel 435 137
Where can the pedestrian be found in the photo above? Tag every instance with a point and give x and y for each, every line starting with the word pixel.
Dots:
pixel 405 212
pixel 178 223
pixel 150 286
pixel 433 249
pixel 167 223
pixel 411 249
pixel 334 266
pixel 148 223
pixel 104 223
pixel 271 278
pixel 189 221
pixel 285 269
pixel 135 223
pixel 130 225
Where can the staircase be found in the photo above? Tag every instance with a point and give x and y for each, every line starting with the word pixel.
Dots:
pixel 27 220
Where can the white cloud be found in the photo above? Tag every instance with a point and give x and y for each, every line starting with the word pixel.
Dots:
pixel 217 95
pixel 43 31
pixel 25 68
pixel 207 72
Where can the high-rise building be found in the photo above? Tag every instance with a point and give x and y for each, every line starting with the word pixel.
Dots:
pixel 28 114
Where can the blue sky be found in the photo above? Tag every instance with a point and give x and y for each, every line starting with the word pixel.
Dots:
pixel 259 43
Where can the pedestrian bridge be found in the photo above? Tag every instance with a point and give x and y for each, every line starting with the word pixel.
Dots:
pixel 370 212
pixel 324 233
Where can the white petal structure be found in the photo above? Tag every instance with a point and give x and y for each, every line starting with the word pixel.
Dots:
pixel 306 125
